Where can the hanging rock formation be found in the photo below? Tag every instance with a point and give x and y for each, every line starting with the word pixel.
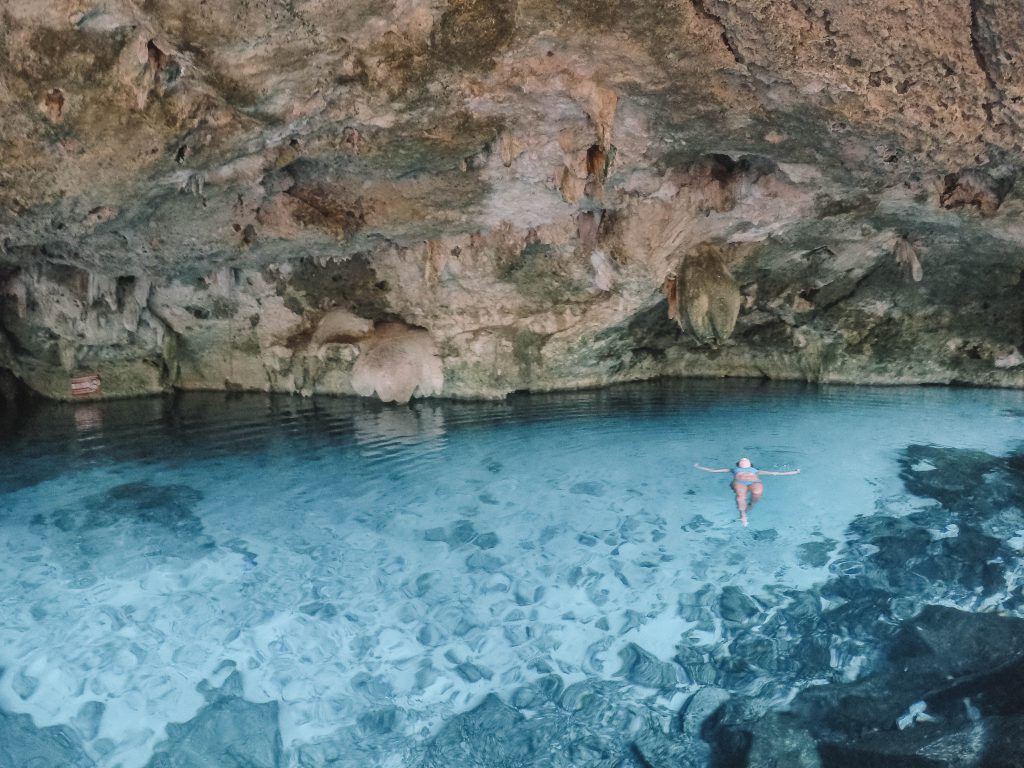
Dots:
pixel 397 362
pixel 707 299
pixel 907 258
pixel 191 193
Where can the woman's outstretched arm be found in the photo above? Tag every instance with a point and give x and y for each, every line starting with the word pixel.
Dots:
pixel 709 469
pixel 765 472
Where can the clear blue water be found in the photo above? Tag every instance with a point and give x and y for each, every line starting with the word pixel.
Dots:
pixel 376 570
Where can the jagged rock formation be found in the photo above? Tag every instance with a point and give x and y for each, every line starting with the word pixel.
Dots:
pixel 703 297
pixel 187 190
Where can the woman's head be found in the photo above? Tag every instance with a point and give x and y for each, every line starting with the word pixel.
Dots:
pixel 744 463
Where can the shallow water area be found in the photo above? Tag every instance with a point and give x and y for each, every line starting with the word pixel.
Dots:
pixel 355 575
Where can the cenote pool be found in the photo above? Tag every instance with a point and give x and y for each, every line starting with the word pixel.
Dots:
pixel 546 581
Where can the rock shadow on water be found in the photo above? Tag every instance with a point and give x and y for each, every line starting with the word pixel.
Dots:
pixel 151 519
pixel 816 554
pixel 169 506
pixel 588 488
pixel 697 524
pixel 460 533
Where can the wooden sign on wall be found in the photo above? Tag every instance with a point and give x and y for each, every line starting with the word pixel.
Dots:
pixel 83 386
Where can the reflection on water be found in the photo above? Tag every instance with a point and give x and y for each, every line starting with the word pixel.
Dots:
pixel 378 433
pixel 338 582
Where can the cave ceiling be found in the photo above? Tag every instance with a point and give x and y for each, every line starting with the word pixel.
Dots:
pixel 197 194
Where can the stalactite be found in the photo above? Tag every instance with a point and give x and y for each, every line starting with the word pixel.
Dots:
pixel 908 259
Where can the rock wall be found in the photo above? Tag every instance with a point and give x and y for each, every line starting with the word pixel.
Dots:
pixel 493 193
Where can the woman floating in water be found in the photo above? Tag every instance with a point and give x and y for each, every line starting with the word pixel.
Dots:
pixel 744 480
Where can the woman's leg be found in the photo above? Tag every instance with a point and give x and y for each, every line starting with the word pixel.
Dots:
pixel 756 491
pixel 741 499
pixel 741 495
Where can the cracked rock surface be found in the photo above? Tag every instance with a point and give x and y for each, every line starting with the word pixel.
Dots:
pixel 474 197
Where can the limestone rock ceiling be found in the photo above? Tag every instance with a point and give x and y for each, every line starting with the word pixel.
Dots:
pixel 496 191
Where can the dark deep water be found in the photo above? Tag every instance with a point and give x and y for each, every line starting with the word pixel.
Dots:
pixel 546 581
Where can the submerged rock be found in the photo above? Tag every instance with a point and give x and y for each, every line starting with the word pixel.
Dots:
pixel 588 724
pixel 912 683
pixel 699 707
pixel 23 744
pixel 87 720
pixel 488 735
pixel 229 732
pixel 658 750
pixel 736 607
pixel 957 674
pixel 642 668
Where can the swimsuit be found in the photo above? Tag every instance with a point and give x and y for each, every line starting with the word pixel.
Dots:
pixel 744 471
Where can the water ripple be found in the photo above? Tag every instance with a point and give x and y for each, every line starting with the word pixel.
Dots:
pixel 372 568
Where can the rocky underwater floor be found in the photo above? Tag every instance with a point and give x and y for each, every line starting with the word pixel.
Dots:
pixel 269 582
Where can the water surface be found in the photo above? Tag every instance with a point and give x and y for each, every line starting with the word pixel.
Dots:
pixel 372 571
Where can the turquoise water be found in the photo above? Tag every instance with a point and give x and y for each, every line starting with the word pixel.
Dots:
pixel 357 575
